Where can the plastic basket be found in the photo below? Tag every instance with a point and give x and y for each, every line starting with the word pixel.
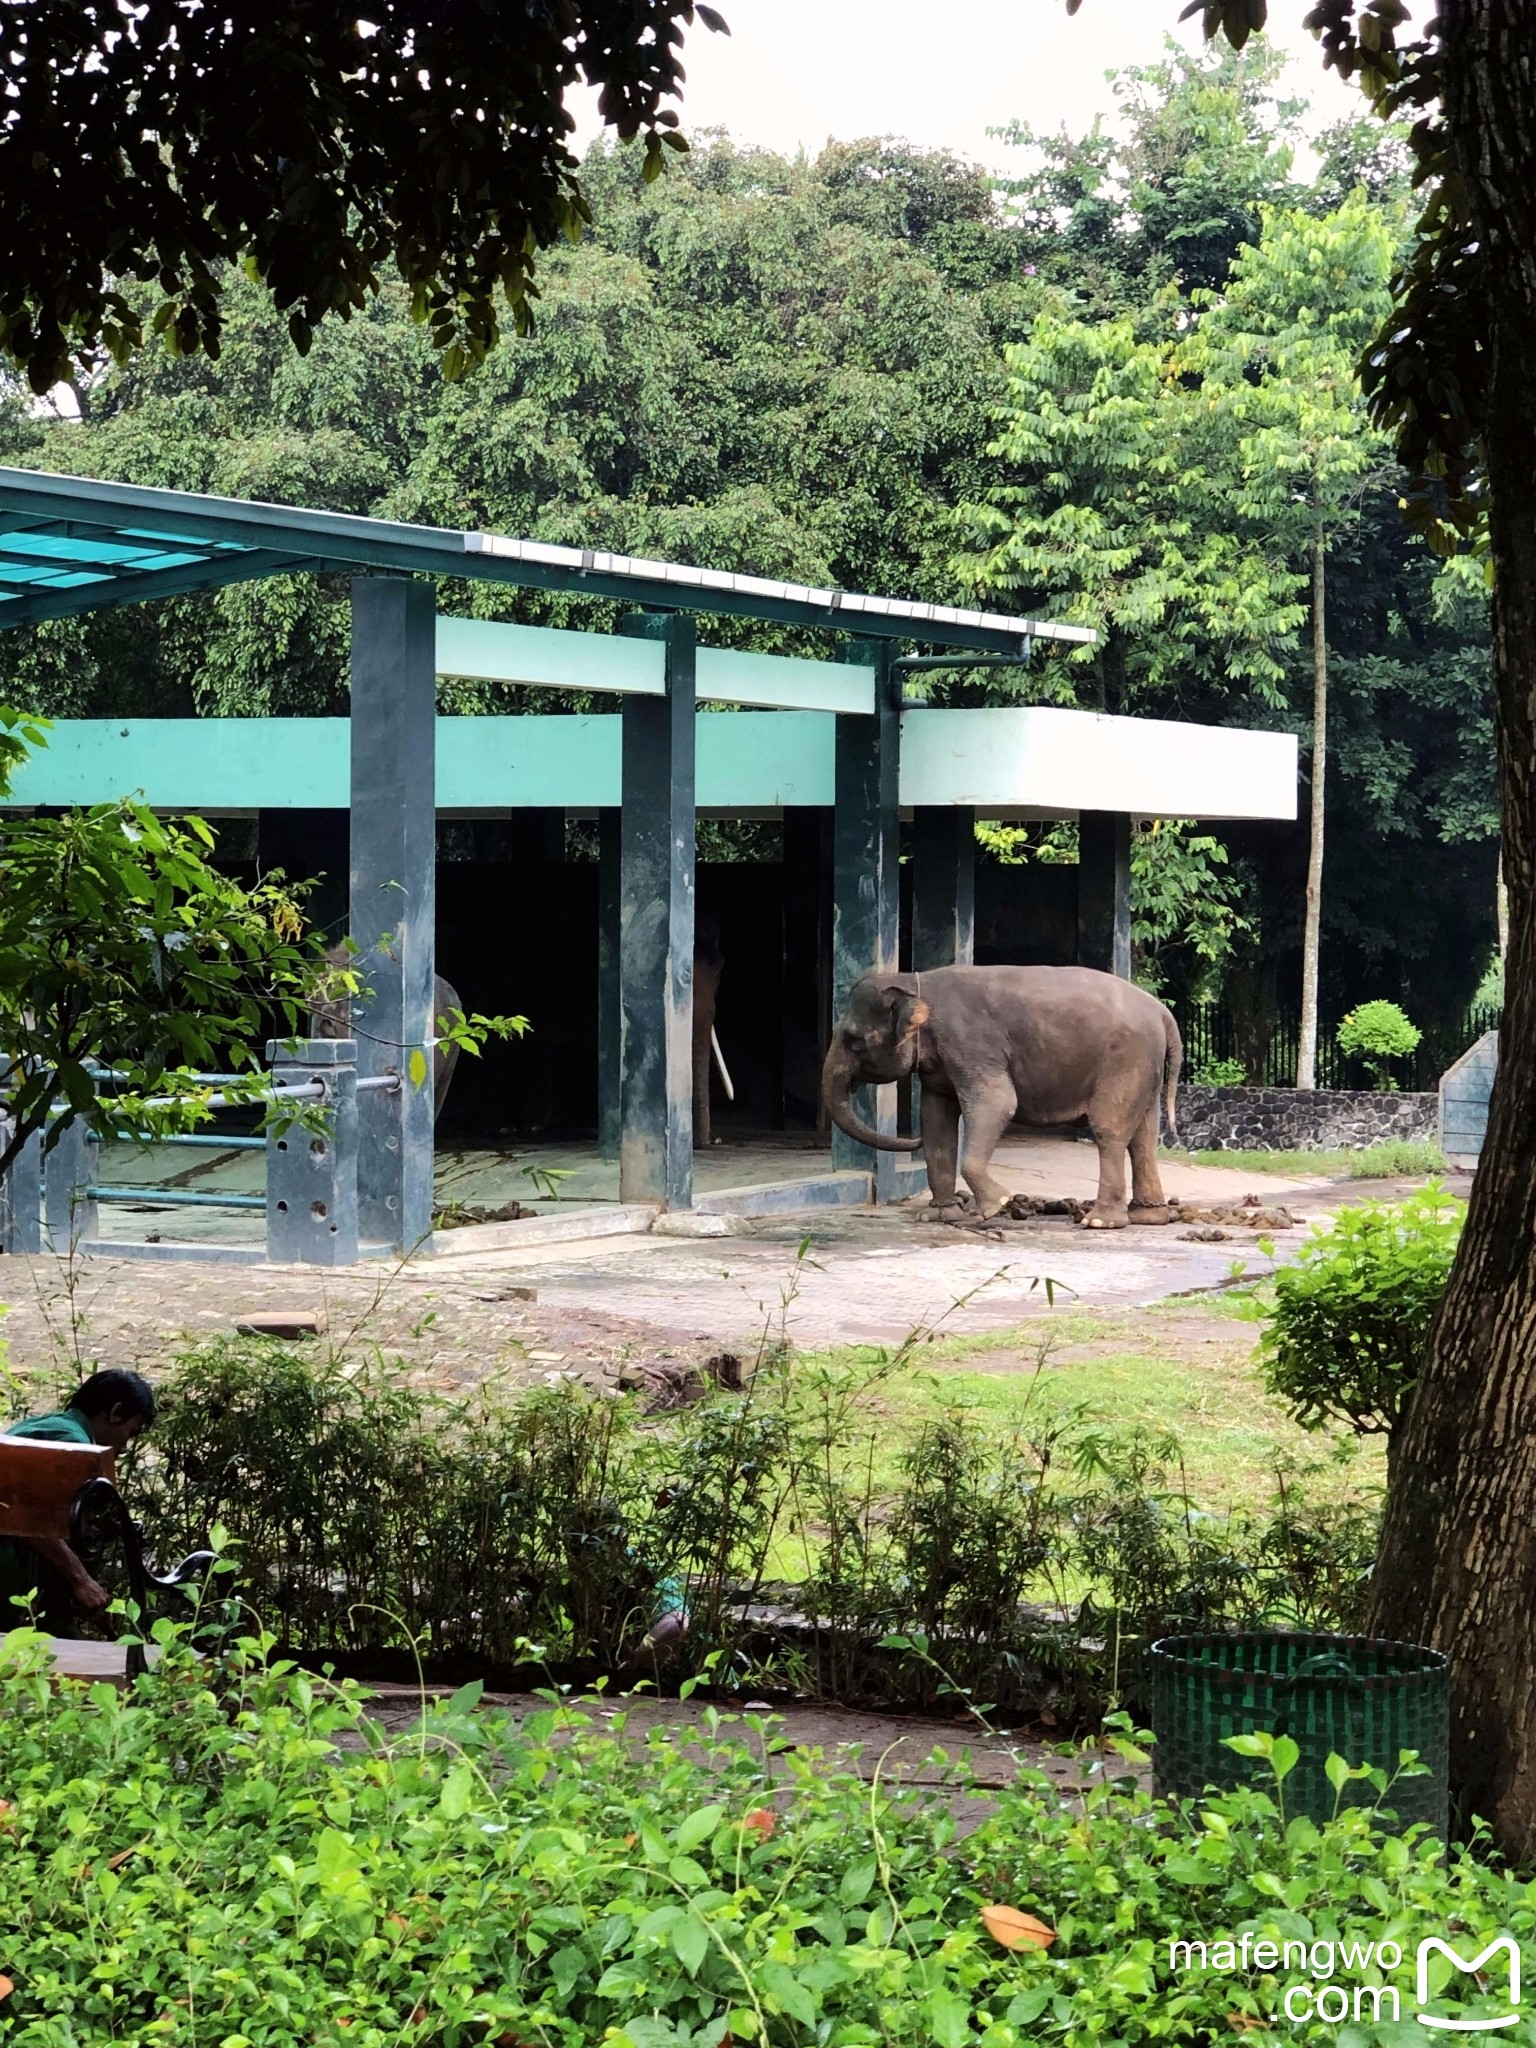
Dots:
pixel 1350 1696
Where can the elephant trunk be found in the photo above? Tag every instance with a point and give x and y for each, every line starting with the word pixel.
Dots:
pixel 837 1084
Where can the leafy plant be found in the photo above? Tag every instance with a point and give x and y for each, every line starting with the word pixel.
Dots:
pixel 1345 1336
pixel 373 1520
pixel 237 1853
pixel 547 1180
pixel 1220 1074
pixel 1378 1032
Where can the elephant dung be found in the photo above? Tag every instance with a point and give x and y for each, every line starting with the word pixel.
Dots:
pixel 1246 1216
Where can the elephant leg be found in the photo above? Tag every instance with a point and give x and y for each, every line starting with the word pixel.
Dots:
pixel 1148 1202
pixel 987 1113
pixel 1109 1210
pixel 941 1139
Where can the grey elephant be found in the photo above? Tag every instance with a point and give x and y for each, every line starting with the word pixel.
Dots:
pixel 333 1019
pixel 1043 1045
pixel 708 965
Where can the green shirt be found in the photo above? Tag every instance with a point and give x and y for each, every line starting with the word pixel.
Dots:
pixel 18 1565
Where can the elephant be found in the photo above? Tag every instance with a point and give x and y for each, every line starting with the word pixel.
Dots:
pixel 1045 1045
pixel 708 963
pixel 333 1019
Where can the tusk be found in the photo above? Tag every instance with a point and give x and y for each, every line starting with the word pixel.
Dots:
pixel 725 1078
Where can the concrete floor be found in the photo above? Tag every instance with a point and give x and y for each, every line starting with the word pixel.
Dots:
pixel 563 1180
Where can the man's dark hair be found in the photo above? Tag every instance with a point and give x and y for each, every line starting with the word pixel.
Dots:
pixel 115 1388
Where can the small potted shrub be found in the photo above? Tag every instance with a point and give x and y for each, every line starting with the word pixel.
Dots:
pixel 1376 1033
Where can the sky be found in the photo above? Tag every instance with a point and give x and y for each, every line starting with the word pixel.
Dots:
pixel 794 72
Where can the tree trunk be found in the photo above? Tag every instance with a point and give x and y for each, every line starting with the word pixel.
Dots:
pixel 1458 1560
pixel 1306 1046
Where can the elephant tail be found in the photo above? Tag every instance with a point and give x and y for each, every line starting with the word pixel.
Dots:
pixel 1175 1062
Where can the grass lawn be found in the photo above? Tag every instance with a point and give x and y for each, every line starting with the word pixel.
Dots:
pixel 1183 1368
pixel 1394 1159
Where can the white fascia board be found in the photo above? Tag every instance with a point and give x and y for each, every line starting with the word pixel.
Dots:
pixel 489 650
pixel 1047 762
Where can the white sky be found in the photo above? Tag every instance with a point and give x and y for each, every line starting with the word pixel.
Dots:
pixel 794 72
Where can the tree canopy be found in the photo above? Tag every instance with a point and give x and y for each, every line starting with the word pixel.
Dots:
pixel 145 151
pixel 797 369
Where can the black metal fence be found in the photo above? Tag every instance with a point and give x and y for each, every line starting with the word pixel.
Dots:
pixel 1211 1038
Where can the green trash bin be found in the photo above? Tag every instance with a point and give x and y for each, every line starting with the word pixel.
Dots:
pixel 1349 1696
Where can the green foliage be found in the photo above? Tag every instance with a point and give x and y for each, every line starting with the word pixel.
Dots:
pixel 313 152
pixel 1392 1159
pixel 121 942
pixel 1345 1336
pixel 244 1855
pixel 1184 901
pixel 1377 1032
pixel 368 1515
pixel 1219 1074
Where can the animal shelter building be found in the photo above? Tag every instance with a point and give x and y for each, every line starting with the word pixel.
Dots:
pixel 548 862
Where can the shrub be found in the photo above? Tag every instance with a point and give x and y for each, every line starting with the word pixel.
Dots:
pixel 1220 1074
pixel 1351 1316
pixel 1376 1033
pixel 373 1520
pixel 256 1860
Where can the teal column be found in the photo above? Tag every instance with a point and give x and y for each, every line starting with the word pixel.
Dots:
pixel 656 888
pixel 393 901
pixel 1104 892
pixel 865 900
pixel 609 855
pixel 806 935
pixel 943 885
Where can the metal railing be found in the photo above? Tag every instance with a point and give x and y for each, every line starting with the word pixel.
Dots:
pixel 51 1198
pixel 1211 1035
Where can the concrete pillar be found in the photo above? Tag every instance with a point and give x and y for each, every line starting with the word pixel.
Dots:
pixel 1104 892
pixel 394 900
pixel 943 886
pixel 806 938
pixel 21 1195
pixel 71 1167
pixel 312 1176
pixel 656 891
pixel 865 899
pixel 608 921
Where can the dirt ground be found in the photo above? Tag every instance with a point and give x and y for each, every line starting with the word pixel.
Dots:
pixel 587 1310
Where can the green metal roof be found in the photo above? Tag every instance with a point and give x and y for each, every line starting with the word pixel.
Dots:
pixel 72 544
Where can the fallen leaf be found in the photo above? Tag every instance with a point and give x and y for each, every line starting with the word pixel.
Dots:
pixel 630 1841
pixel 1010 1928
pixel 6 1987
pixel 762 1820
pixel 1247 2023
pixel 115 1862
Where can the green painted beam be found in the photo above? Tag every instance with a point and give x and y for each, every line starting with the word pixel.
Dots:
pixel 488 650
pixel 747 761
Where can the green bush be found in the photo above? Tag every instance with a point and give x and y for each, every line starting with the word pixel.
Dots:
pixel 372 1520
pixel 245 1859
pixel 1219 1074
pixel 1345 1336
pixel 1376 1033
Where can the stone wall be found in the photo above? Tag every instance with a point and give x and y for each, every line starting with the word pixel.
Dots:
pixel 1296 1120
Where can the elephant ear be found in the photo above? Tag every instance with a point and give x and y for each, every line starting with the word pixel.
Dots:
pixel 908 1010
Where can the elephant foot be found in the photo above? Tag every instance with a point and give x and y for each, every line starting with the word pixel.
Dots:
pixel 1099 1218
pixel 1150 1212
pixel 949 1212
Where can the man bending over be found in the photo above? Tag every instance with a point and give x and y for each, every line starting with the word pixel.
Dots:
pixel 110 1411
